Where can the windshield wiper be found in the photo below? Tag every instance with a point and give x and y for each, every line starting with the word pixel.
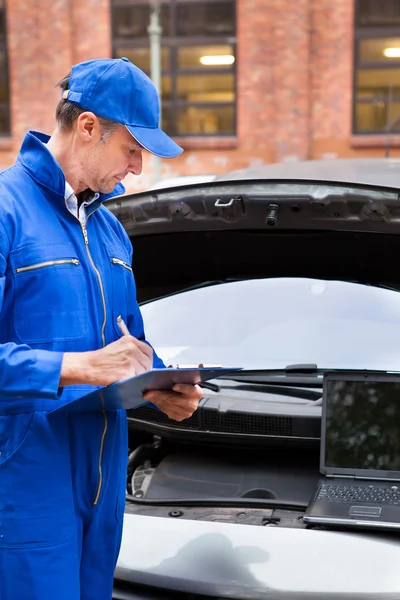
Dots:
pixel 263 376
pixel 307 374
pixel 302 369
pixel 298 374
pixel 210 386
pixel 226 502
pixel 308 368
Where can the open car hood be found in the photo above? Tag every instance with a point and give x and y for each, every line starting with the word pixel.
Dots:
pixel 246 225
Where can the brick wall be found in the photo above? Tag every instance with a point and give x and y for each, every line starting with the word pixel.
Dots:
pixel 294 80
pixel 331 77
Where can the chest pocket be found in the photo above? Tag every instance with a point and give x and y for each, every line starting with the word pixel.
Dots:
pixel 50 297
pixel 122 283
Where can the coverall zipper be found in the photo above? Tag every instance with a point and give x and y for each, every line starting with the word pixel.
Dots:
pixel 118 261
pixel 103 435
pixel 49 263
pixel 103 338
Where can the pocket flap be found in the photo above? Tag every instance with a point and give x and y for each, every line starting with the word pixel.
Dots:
pixel 117 251
pixel 13 431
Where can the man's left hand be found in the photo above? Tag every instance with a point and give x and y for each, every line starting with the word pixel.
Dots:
pixel 179 403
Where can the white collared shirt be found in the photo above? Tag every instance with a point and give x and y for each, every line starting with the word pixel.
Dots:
pixel 71 202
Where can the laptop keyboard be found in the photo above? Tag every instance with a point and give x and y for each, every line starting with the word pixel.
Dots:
pixel 348 494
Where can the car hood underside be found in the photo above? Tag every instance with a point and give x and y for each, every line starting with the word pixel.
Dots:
pixel 168 263
pixel 216 233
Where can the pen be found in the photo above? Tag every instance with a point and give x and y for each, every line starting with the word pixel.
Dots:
pixel 122 326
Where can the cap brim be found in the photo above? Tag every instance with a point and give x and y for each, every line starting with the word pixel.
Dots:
pixel 155 141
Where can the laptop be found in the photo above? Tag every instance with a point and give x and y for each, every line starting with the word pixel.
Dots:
pixel 360 452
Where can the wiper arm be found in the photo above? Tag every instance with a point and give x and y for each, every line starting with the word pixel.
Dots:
pixel 226 502
pixel 308 369
pixel 307 374
pixel 300 369
pixel 207 385
pixel 243 375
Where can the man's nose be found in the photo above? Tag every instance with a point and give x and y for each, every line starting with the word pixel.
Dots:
pixel 136 163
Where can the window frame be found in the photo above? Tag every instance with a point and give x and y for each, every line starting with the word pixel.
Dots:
pixel 174 42
pixel 369 32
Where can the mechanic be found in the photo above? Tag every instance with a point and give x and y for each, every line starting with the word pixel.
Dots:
pixel 65 277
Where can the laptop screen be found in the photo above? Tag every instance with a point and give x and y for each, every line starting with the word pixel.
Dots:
pixel 362 426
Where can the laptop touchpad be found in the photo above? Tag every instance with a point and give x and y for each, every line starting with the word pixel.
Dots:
pixel 365 511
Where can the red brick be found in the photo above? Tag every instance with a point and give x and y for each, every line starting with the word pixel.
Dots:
pixel 294 80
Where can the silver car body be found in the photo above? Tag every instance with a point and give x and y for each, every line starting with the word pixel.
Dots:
pixel 225 560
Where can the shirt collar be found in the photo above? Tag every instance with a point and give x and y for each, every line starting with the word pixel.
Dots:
pixel 71 196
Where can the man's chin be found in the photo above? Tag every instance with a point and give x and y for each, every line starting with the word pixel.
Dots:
pixel 107 188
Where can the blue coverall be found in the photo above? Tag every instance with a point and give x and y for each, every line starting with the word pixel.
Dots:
pixel 62 475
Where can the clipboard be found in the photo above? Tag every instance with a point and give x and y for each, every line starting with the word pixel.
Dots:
pixel 127 394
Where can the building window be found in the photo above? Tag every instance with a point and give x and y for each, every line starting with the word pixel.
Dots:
pixel 198 87
pixel 377 67
pixel 4 88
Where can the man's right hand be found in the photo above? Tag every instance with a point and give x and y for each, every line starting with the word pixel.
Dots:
pixel 119 360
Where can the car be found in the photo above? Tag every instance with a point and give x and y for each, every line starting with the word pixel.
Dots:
pixel 285 271
pixel 179 180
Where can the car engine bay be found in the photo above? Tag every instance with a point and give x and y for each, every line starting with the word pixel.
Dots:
pixel 251 471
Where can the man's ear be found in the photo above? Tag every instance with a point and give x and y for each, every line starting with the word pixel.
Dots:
pixel 88 127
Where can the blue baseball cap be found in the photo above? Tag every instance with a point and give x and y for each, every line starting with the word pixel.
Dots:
pixel 114 88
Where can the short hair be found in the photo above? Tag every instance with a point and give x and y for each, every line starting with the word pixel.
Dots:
pixel 67 113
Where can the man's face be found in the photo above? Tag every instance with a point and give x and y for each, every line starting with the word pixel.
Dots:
pixel 109 162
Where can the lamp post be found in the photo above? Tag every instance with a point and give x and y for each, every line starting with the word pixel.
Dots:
pixel 154 30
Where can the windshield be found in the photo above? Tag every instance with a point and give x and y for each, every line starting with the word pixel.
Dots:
pixel 271 323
